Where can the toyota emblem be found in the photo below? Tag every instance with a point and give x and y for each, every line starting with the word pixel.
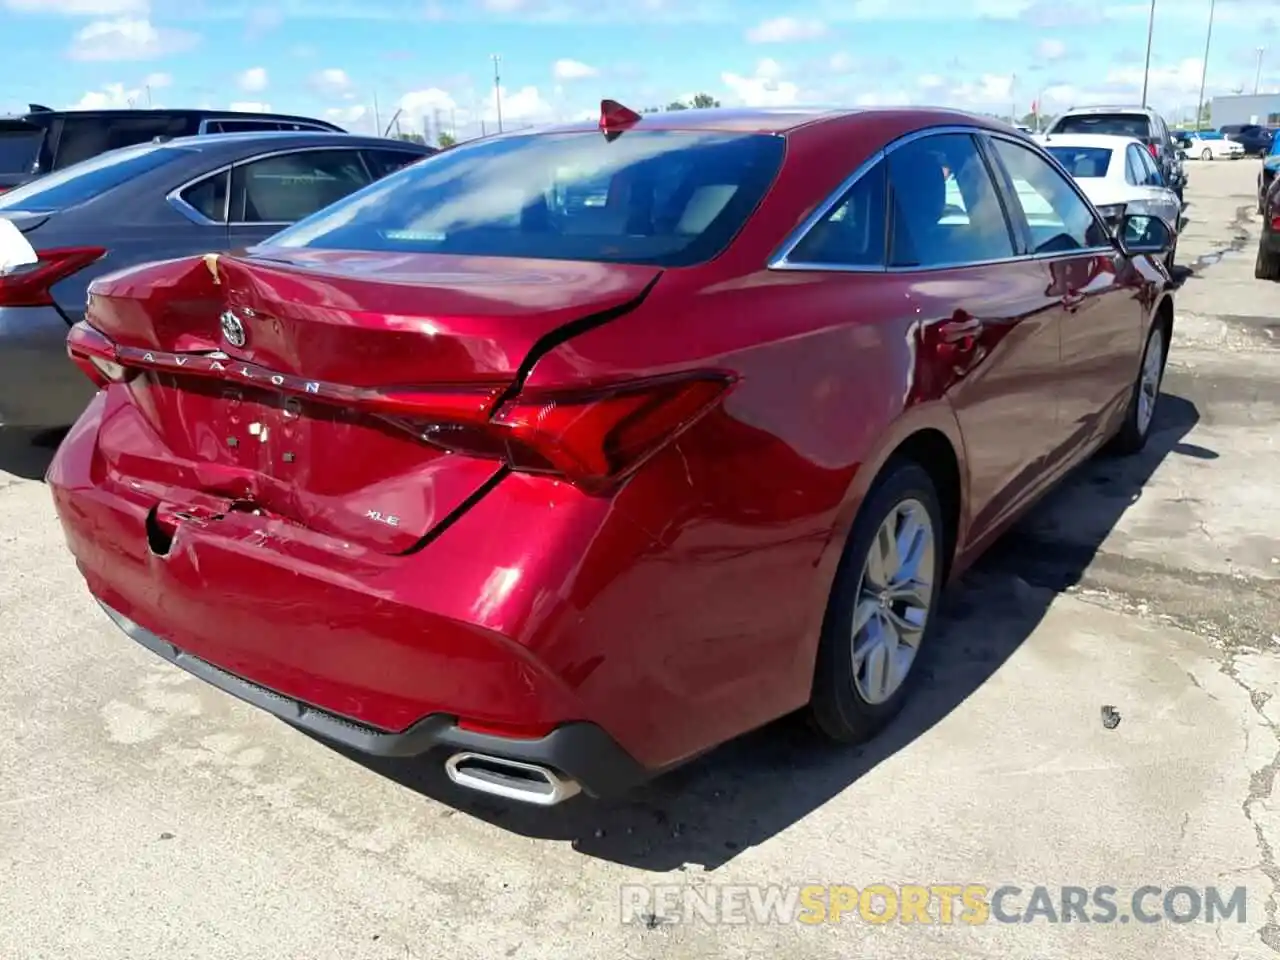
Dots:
pixel 232 329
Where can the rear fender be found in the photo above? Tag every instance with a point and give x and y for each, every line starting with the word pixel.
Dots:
pixel 936 415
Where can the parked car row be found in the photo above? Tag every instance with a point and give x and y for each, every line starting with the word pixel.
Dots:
pixel 1143 124
pixel 1208 145
pixel 43 140
pixel 183 197
pixel 559 457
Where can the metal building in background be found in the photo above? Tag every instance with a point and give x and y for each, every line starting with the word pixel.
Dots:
pixel 1263 108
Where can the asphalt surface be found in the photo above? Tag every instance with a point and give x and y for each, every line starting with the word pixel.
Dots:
pixel 146 816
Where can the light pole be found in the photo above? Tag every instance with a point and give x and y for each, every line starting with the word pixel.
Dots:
pixel 497 90
pixel 1257 77
pixel 1204 67
pixel 1146 70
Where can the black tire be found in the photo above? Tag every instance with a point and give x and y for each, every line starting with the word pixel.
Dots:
pixel 1171 257
pixel 836 709
pixel 1267 266
pixel 1206 154
pixel 1133 433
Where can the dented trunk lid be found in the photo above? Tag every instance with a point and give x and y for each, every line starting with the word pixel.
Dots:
pixel 256 375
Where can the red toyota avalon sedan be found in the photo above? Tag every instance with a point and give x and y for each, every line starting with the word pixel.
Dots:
pixel 561 457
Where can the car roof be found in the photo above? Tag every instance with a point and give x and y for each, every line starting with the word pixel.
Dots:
pixel 1115 108
pixel 1107 140
pixel 285 140
pixel 777 120
pixel 115 112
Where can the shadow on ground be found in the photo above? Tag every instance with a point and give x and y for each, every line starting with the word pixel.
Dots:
pixel 747 791
pixel 27 455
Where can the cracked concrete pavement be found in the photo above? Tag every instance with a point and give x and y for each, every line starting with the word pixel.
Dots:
pixel 144 815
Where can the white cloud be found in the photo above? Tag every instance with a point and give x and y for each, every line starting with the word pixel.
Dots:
pixel 128 39
pixel 157 81
pixel 250 106
pixel 573 70
pixel 1050 49
pixel 80 8
pixel 253 80
pixel 764 88
pixel 113 96
pixel 331 81
pixel 524 106
pixel 786 30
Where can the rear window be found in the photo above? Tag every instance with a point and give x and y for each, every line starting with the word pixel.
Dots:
pixel 1083 162
pixel 664 198
pixel 19 149
pixel 84 181
pixel 1112 124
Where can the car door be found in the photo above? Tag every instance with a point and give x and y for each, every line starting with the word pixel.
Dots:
pixel 1155 193
pixel 1097 296
pixel 988 328
pixel 273 190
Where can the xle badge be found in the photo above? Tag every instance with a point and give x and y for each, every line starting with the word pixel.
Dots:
pixel 232 329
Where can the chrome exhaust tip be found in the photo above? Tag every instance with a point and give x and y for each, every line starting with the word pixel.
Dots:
pixel 510 779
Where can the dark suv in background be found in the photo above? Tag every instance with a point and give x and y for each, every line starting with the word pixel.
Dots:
pixel 43 140
pixel 1141 123
pixel 1255 138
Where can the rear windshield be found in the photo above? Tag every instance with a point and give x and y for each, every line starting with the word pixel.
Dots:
pixel 665 198
pixel 1083 162
pixel 91 178
pixel 19 149
pixel 1113 124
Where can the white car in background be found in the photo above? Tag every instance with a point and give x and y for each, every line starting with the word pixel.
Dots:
pixel 1208 146
pixel 1119 176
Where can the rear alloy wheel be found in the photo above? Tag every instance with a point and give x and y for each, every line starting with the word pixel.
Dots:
pixel 881 608
pixel 1206 154
pixel 1146 393
pixel 1267 266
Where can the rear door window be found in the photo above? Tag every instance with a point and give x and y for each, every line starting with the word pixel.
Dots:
pixel 385 162
pixel 85 181
pixel 945 209
pixel 1133 172
pixel 87 136
pixel 290 186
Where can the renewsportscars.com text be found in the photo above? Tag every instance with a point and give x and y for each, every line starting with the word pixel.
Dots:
pixel 937 904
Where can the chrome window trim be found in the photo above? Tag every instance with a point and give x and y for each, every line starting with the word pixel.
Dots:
pixel 203 128
pixel 780 259
pixel 174 196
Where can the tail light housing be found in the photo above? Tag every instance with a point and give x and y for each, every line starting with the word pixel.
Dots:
pixel 592 437
pixel 1153 149
pixel 30 285
pixel 95 355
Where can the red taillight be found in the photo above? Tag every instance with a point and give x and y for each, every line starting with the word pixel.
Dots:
pixel 29 285
pixel 591 438
pixel 1275 222
pixel 1155 152
pixel 95 355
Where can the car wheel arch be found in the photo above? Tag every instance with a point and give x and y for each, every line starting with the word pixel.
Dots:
pixel 928 434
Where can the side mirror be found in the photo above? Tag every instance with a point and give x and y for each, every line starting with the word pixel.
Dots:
pixel 1140 234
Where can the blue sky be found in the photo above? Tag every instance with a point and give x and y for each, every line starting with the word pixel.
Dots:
pixel 431 58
